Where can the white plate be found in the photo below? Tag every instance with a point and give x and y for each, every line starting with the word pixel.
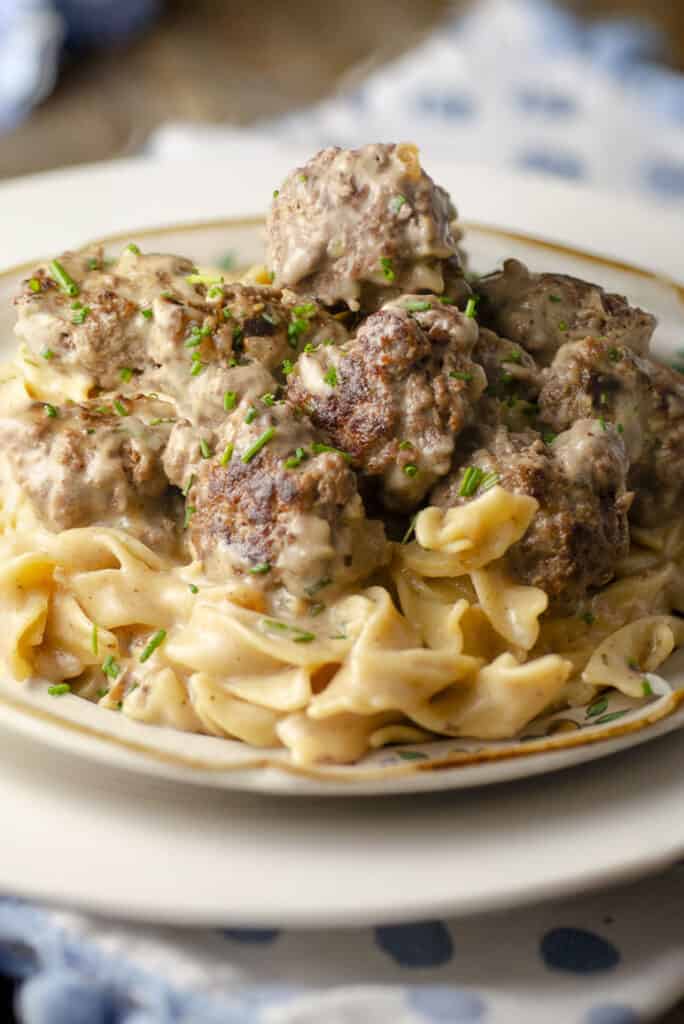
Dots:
pixel 88 731
pixel 81 832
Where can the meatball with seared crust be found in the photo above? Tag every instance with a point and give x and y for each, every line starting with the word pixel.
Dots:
pixel 397 395
pixel 95 463
pixel 360 225
pixel 645 402
pixel 541 312
pixel 152 322
pixel 580 530
pixel 277 503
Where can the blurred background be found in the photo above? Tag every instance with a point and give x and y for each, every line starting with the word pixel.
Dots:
pixel 84 80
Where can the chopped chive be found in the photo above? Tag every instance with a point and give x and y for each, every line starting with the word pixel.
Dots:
pixel 147 313
pixel 555 298
pixel 50 410
pixel 319 585
pixel 446 300
pixel 472 478
pixel 330 377
pixel 310 347
pixel 647 688
pixel 410 469
pixel 229 400
pixel 47 353
pixel 189 513
pixel 215 292
pixel 620 428
pixel 287 366
pixel 328 341
pixel 303 178
pixel 604 425
pixel 63 279
pixel 549 438
pixel 405 446
pixel 294 329
pixel 34 284
pixel 507 378
pixel 186 489
pixel 603 398
pixel 152 645
pixel 316 609
pixel 197 368
pixel 270 319
pixel 633 664
pixel 269 398
pixel 260 442
pixel 301 636
pixel 597 708
pixel 126 373
pixel 387 269
pixel 612 717
pixel 409 532
pixel 276 193
pixel 318 449
pixel 193 588
pixel 238 335
pixel 589 618
pixel 81 315
pixel 94 639
pixel 93 263
pixel 120 408
pixel 515 356
pixel 260 569
pixel 396 203
pixel 489 480
pixel 417 307
pixel 102 693
pixel 110 667
pixel 132 247
pixel 306 309
pixel 227 454
pixel 205 450
pixel 459 375
pixel 562 325
pixel 194 340
pixel 251 414
pixel 296 460
pixel 614 355
pixel 471 307
pixel 59 689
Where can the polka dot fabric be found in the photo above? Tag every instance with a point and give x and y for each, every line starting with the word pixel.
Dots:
pixel 615 957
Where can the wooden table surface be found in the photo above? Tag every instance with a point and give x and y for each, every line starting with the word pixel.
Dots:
pixel 215 61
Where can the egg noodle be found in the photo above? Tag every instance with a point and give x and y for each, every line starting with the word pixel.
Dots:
pixel 439 643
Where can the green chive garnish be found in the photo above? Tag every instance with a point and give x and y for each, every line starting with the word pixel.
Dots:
pixel 387 269
pixel 318 449
pixel 330 377
pixel 63 279
pixel 50 410
pixel 153 643
pixel 396 203
pixel 47 353
pixel 287 366
pixel 110 667
pixel 269 398
pixel 193 589
pixel 59 689
pixel 458 375
pixel 260 569
pixel 229 400
pixel 189 513
pixel 260 442
pixel 94 640
pixel 411 470
pixel 205 450
pixel 132 247
pixel 186 489
pixel 34 284
pixel 120 408
pixel 417 307
pixel 562 325
pixel 251 414
pixel 647 688
pixel 227 454
pixel 471 307
pixel 147 313
pixel 301 636
pixel 472 478
pixel 126 374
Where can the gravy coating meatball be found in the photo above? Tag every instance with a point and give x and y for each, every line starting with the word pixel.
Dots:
pixel 541 312
pixel 645 402
pixel 580 530
pixel 153 322
pixel 98 462
pixel 397 395
pixel 281 505
pixel 354 225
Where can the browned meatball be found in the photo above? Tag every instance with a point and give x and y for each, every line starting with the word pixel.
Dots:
pixel 543 311
pixel 152 322
pixel 95 463
pixel 397 395
pixel 281 505
pixel 644 400
pixel 357 225
pixel 579 479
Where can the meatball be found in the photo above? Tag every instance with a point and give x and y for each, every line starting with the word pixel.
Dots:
pixel 543 311
pixel 580 530
pixel 357 225
pixel 151 321
pixel 396 396
pixel 95 463
pixel 645 402
pixel 280 504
